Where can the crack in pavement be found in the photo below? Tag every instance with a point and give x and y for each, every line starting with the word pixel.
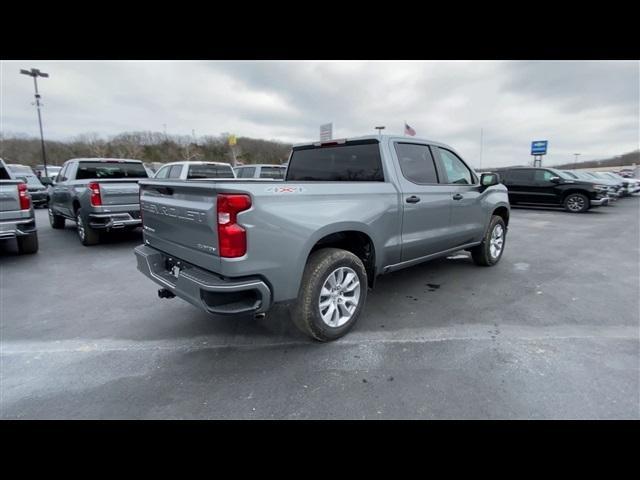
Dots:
pixel 409 336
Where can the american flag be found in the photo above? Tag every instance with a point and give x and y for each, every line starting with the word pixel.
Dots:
pixel 408 130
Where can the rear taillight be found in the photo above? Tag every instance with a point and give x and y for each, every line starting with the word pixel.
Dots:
pixel 25 198
pixel 94 190
pixel 232 238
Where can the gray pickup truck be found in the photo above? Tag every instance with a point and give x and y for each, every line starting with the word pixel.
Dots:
pixel 348 211
pixel 99 194
pixel 17 219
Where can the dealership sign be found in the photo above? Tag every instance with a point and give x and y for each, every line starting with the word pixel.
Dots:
pixel 539 147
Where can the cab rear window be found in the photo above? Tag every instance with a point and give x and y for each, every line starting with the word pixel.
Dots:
pixel 357 161
pixel 210 171
pixel 88 170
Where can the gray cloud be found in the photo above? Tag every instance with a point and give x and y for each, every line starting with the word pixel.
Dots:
pixel 587 107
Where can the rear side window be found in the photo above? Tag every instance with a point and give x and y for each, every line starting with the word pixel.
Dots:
pixel 4 175
pixel 416 163
pixel 272 172
pixel 89 170
pixel 174 171
pixel 210 171
pixel 357 161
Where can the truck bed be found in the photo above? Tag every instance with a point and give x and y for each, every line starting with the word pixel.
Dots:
pixel 283 223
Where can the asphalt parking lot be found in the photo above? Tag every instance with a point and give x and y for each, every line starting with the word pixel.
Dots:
pixel 551 332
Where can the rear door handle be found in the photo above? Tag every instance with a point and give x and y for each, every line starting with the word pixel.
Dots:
pixel 412 199
pixel 458 196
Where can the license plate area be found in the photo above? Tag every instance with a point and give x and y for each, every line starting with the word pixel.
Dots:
pixel 173 266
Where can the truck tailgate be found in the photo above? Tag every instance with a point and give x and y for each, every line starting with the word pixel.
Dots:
pixel 9 200
pixel 119 191
pixel 180 219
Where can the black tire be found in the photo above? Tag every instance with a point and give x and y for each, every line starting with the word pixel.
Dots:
pixel 482 253
pixel 88 236
pixel 306 311
pixel 27 243
pixel 576 203
pixel 56 221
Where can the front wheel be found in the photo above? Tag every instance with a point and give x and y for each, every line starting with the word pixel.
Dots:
pixel 332 294
pixel 576 203
pixel 489 252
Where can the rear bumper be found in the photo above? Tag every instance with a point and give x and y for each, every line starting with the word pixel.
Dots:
pixel 114 221
pixel 39 198
pixel 17 228
pixel 204 289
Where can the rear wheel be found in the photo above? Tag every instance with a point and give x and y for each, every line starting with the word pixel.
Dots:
pixel 489 252
pixel 332 294
pixel 56 221
pixel 576 203
pixel 28 243
pixel 88 236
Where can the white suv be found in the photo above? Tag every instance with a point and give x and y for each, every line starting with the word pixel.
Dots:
pixel 192 170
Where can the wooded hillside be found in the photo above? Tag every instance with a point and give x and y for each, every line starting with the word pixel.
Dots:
pixel 145 146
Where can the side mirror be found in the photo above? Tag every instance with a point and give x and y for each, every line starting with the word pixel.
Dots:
pixel 46 181
pixel 489 179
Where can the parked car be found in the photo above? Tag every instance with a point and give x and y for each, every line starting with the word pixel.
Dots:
pixel 614 188
pixel 190 170
pixel 37 190
pixel 17 218
pixel 550 187
pixel 52 171
pixel 99 194
pixel 19 169
pixel 627 172
pixel 348 211
pixel 275 172
pixel 631 185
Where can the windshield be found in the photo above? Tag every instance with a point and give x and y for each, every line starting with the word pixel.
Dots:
pixel 90 170
pixel 571 174
pixel 561 174
pixel 18 169
pixel 615 176
pixel 32 180
pixel 52 171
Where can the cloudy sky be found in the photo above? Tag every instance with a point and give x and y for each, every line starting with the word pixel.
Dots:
pixel 590 107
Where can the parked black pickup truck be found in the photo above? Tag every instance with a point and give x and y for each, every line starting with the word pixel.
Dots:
pixel 550 187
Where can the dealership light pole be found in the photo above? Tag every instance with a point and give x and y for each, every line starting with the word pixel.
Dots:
pixel 575 162
pixel 380 128
pixel 35 73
